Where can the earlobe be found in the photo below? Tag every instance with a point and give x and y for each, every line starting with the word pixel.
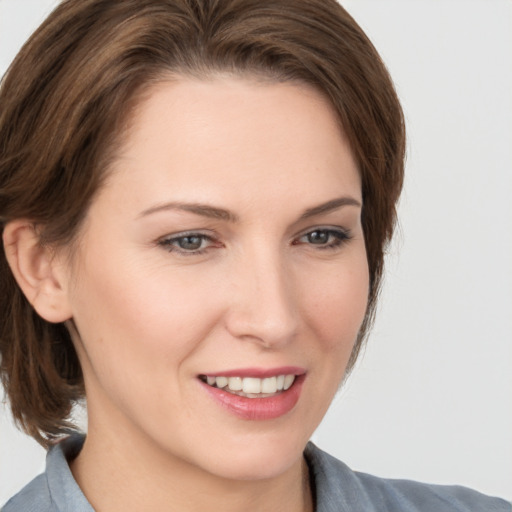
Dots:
pixel 37 270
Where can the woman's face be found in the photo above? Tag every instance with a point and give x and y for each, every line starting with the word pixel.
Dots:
pixel 225 247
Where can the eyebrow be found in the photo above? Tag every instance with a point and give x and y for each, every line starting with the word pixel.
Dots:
pixel 204 210
pixel 214 212
pixel 330 206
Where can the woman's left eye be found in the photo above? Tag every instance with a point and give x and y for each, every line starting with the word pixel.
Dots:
pixel 323 238
pixel 188 243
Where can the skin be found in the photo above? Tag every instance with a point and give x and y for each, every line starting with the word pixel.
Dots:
pixel 150 317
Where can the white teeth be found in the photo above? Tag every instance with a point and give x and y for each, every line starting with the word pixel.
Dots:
pixel 253 387
pixel 288 381
pixel 235 383
pixel 269 385
pixel 221 382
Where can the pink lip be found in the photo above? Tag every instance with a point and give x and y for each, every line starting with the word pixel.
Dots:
pixel 258 408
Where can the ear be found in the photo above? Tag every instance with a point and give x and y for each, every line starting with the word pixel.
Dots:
pixel 39 271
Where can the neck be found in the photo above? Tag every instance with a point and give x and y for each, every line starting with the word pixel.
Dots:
pixel 146 478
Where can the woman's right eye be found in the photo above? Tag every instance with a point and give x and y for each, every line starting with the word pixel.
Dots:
pixel 188 243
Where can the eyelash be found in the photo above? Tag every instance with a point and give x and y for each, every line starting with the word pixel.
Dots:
pixel 169 243
pixel 337 236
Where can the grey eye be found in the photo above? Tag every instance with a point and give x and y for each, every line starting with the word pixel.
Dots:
pixel 319 237
pixel 324 238
pixel 189 243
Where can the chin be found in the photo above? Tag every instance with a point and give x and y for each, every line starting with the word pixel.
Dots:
pixel 258 460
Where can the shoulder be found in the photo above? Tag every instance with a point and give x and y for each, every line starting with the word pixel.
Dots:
pixel 339 488
pixel 55 490
pixel 34 497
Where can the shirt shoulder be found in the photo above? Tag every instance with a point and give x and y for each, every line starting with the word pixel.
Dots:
pixel 409 496
pixel 55 490
pixel 34 497
pixel 338 488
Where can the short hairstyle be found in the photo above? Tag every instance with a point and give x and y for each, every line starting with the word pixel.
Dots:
pixel 68 94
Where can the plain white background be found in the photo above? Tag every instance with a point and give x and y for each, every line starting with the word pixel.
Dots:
pixel 431 399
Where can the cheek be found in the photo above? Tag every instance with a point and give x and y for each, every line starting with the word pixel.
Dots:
pixel 138 318
pixel 131 286
pixel 337 306
pixel 138 328
pixel 333 312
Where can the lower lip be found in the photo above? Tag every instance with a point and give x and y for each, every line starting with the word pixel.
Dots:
pixel 258 408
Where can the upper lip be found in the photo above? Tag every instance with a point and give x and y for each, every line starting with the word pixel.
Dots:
pixel 258 372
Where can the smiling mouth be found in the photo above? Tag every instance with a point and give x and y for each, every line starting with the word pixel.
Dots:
pixel 251 387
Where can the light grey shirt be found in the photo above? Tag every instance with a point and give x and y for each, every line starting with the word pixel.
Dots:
pixel 336 489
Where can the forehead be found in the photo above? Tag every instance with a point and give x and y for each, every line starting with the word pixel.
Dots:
pixel 224 133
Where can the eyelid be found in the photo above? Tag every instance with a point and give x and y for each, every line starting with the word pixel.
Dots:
pixel 188 232
pixel 182 234
pixel 336 229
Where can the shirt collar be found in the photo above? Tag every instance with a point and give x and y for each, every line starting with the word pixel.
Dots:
pixel 64 490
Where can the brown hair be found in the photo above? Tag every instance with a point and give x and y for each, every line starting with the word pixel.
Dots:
pixel 63 102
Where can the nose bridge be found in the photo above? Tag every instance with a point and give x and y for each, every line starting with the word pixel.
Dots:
pixel 264 304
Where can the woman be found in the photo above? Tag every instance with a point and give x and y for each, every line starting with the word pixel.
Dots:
pixel 195 201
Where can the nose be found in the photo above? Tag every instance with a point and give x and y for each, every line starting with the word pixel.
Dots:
pixel 263 304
